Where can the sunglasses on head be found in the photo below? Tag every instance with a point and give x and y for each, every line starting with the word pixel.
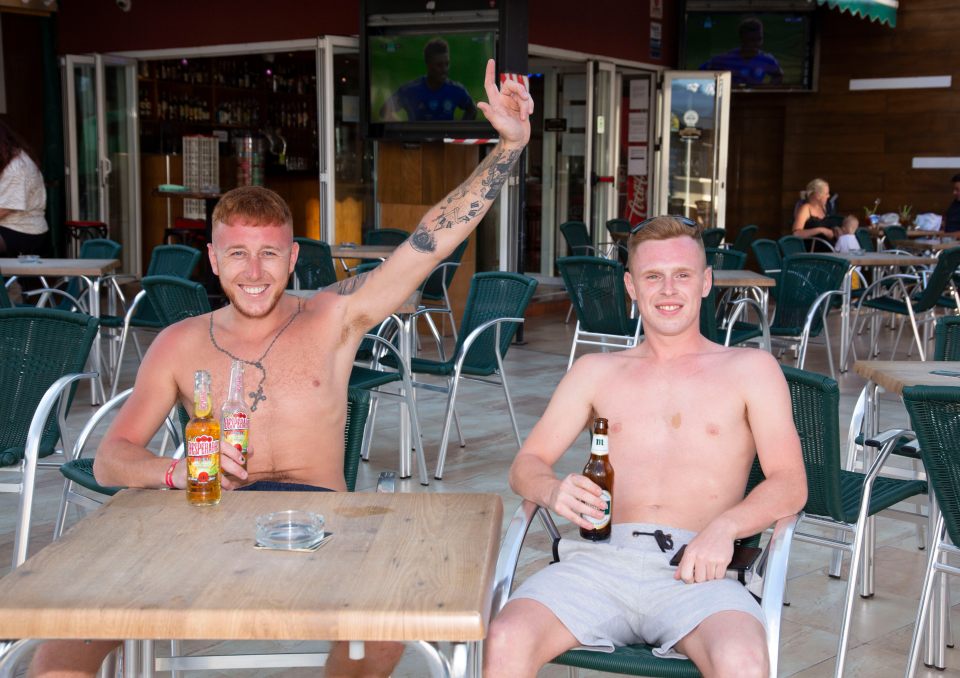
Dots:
pixel 683 220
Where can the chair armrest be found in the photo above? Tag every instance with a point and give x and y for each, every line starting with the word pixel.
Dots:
pixel 77 306
pixel 473 336
pixel 510 554
pixel 88 428
pixel 774 572
pixel 884 437
pixel 740 305
pixel 823 241
pixel 30 456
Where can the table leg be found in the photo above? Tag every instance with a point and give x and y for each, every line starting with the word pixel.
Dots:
pixel 845 319
pixel 870 535
pixel 407 342
pixel 131 658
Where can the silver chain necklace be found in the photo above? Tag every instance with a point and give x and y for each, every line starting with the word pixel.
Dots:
pixel 258 363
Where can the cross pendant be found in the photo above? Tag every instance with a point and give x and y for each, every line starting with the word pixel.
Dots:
pixel 257 397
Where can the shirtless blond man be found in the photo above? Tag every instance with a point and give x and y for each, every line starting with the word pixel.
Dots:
pixel 306 349
pixel 686 418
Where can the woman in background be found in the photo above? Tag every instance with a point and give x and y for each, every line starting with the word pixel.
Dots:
pixel 23 199
pixel 807 221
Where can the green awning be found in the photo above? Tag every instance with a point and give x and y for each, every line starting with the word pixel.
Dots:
pixel 884 11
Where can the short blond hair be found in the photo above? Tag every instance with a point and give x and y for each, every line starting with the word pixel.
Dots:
pixel 664 228
pixel 256 204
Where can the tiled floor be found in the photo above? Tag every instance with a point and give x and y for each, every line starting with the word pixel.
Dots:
pixel 882 625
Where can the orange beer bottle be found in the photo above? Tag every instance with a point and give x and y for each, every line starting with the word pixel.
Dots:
pixel 203 446
pixel 235 415
pixel 599 470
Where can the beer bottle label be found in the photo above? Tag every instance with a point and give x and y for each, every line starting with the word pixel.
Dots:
pixel 203 459
pixel 599 444
pixel 599 523
pixel 237 438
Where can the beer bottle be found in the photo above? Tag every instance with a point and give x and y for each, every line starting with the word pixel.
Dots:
pixel 599 470
pixel 203 446
pixel 235 415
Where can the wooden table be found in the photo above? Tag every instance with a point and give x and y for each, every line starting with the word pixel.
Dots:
pixel 893 376
pixel 927 244
pixel 868 260
pixel 400 567
pixel 91 270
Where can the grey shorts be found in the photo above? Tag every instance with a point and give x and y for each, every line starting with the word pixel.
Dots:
pixel 623 592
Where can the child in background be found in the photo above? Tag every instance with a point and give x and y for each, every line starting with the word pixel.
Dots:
pixel 847 242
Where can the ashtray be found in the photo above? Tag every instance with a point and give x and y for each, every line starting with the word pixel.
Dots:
pixel 291 530
pixel 28 258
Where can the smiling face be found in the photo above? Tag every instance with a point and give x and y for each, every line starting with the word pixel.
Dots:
pixel 253 262
pixel 667 279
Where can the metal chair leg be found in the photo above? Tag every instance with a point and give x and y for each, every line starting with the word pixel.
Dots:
pixel 451 402
pixel 371 424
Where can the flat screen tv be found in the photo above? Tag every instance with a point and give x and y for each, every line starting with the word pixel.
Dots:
pixel 423 78
pixel 763 50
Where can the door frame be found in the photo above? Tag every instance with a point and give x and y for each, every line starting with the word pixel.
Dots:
pixel 585 60
pixel 721 112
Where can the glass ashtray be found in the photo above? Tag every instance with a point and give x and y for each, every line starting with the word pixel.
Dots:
pixel 28 258
pixel 289 529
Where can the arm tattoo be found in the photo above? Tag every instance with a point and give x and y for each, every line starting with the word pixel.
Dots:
pixel 350 285
pixel 492 174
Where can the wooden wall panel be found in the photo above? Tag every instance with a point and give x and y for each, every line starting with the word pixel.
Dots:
pixel 412 178
pixel 863 143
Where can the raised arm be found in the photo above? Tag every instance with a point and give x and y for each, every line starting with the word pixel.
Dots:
pixel 372 297
pixel 568 413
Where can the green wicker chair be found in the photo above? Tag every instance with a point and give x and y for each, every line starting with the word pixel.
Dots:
pixel 866 240
pixel 175 260
pixel 935 419
pixel 767 254
pixel 619 227
pixel 919 306
pixel 314 268
pixel 435 291
pixel 595 287
pixel 947 338
pixel 4 295
pixel 171 299
pixel 790 245
pixel 722 258
pixel 712 237
pixel 372 376
pixel 744 238
pixel 386 237
pixel 807 282
pixel 495 299
pixel 639 660
pixel 837 498
pixel 578 238
pixel 42 356
pixel 892 234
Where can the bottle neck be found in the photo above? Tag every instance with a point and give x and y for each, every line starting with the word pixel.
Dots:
pixel 599 445
pixel 201 403
pixel 236 383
